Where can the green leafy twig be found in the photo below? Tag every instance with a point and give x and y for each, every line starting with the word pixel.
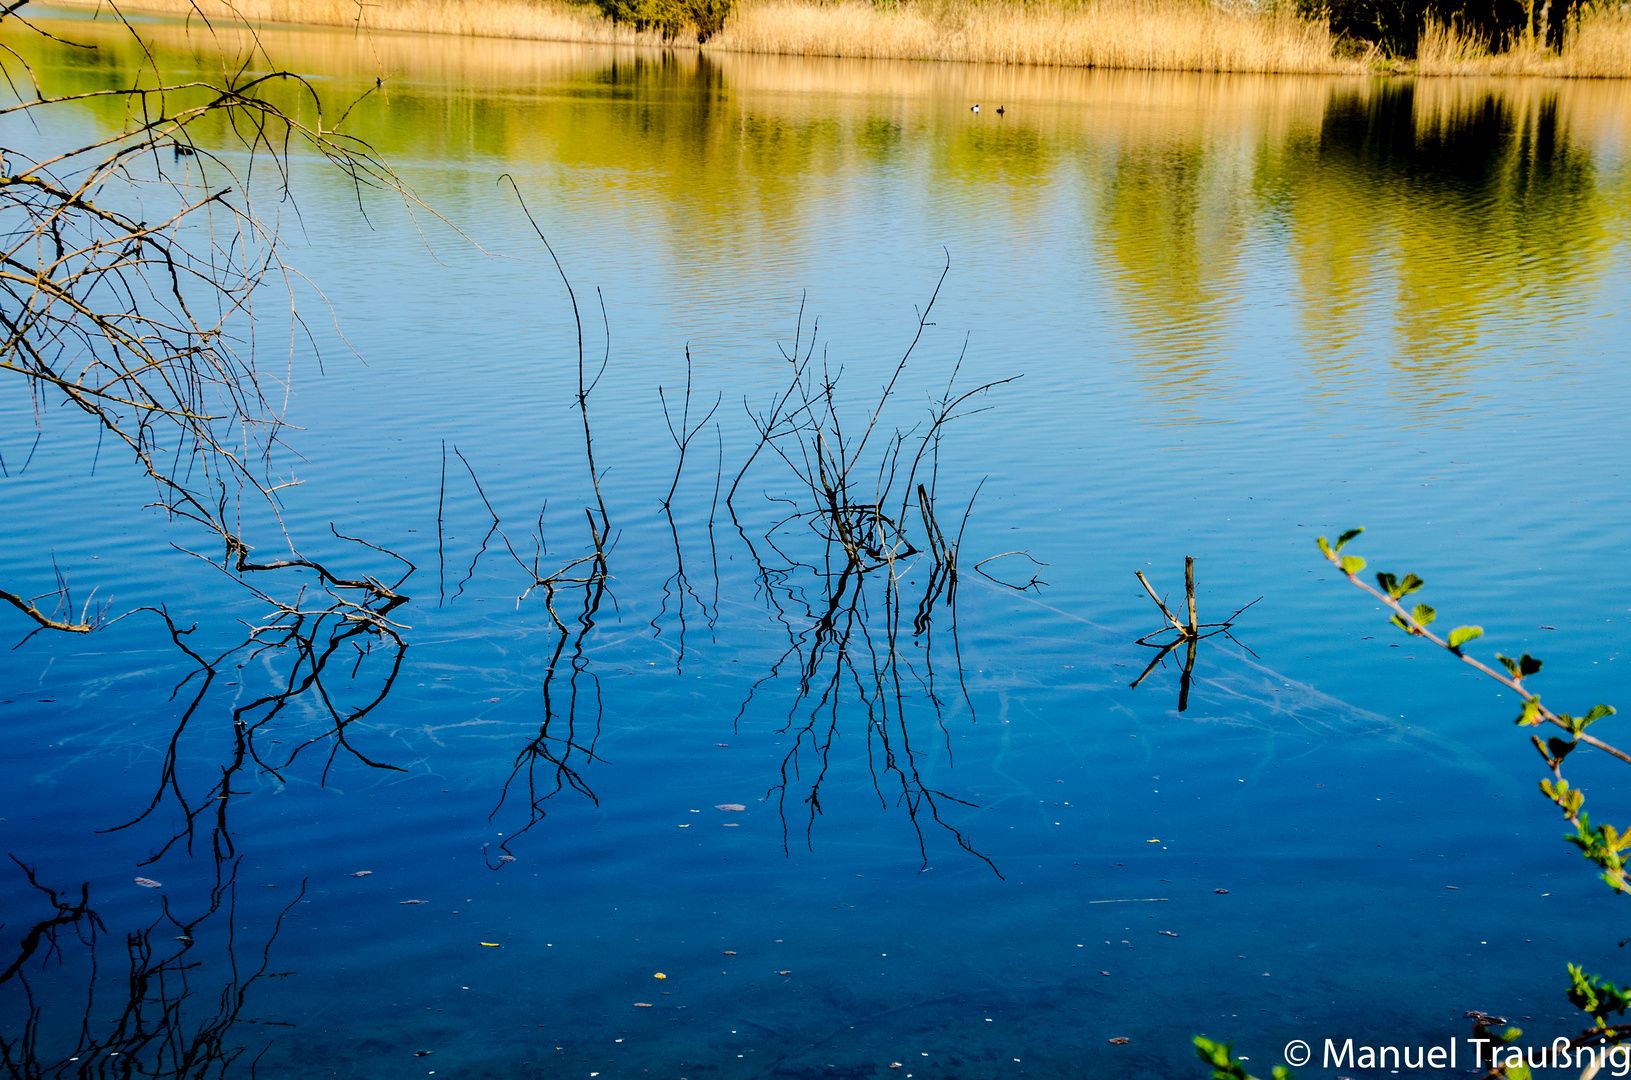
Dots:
pixel 1602 844
pixel 1225 1066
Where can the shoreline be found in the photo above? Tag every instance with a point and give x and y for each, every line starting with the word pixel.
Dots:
pixel 1134 35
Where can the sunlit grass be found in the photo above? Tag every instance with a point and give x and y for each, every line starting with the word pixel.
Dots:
pixel 1178 35
pixel 1598 45
pixel 1157 34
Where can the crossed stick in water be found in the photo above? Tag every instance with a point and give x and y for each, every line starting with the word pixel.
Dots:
pixel 1189 634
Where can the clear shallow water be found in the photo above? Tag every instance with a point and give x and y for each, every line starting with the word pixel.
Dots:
pixel 1246 312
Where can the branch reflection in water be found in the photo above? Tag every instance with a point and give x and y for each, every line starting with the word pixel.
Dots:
pixel 161 1022
pixel 1189 634
pixel 854 583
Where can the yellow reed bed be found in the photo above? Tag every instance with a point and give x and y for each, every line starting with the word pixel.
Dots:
pixel 1151 34
pixel 1597 45
pixel 1174 35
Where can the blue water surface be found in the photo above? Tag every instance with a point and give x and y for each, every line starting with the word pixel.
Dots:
pixel 1243 313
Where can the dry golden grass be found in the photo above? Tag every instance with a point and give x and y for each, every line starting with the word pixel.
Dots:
pixel 1148 34
pixel 532 20
pixel 1597 45
pixel 1175 35
pixel 1183 35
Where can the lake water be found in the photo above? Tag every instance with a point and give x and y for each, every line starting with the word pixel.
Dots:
pixel 1242 312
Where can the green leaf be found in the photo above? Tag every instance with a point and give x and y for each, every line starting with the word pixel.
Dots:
pixel 1596 996
pixel 1424 614
pixel 1597 713
pixel 1559 747
pixel 1220 1057
pixel 1510 664
pixel 1342 540
pixel 1511 1034
pixel 1529 665
pixel 1410 584
pixel 1389 583
pixel 1325 547
pixel 1401 624
pixel 1463 634
pixel 1283 1073
pixel 1352 564
pixel 1531 712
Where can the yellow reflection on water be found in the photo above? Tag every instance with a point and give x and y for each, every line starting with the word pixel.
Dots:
pixel 1424 225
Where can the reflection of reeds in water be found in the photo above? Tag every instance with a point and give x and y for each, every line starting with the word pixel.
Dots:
pixel 858 589
pixel 161 1017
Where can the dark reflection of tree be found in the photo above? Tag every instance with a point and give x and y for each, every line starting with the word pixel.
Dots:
pixel 1473 196
pixel 159 1022
pixel 859 571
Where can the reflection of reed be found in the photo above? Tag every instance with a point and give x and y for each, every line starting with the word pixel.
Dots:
pixel 308 635
pixel 857 586
pixel 159 1025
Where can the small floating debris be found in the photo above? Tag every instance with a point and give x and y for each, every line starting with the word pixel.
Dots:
pixel 182 937
pixel 1152 841
pixel 1168 933
pixel 506 858
pixel 784 973
pixel 490 944
pixel 730 952
pixel 1221 892
pixel 366 873
pixel 895 1065
pixel 1104 973
pixel 685 826
pixel 730 806
pixel 416 901
pixel 1120 1040
pixel 148 883
pixel 721 744
pixel 423 1053
pixel 733 825
pixel 1456 887
pixel 659 975
pixel 642 1004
